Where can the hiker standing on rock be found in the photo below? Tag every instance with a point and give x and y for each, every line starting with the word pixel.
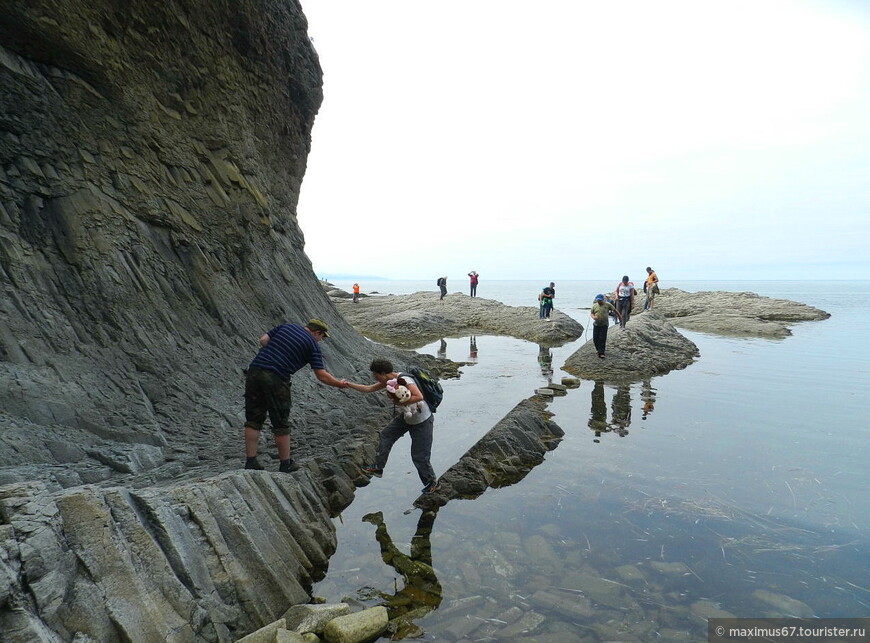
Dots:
pixel 624 294
pixel 419 425
pixel 356 293
pixel 601 310
pixel 546 297
pixel 651 288
pixel 283 351
pixel 473 278
pixel 442 284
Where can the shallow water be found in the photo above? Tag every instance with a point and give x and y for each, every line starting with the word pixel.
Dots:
pixel 736 485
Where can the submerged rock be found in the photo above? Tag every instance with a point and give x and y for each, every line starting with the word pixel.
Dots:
pixel 649 345
pixel 410 321
pixel 504 456
pixel 741 314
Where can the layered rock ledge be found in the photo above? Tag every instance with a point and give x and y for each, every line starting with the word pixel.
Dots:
pixel 411 321
pixel 649 345
pixel 738 314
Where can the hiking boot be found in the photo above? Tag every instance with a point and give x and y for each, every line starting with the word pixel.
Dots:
pixel 288 467
pixel 373 470
pixel 432 487
pixel 253 463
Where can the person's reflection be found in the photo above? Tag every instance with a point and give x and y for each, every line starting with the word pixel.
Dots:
pixel 598 416
pixel 545 361
pixel 621 416
pixel 472 349
pixel 422 591
pixel 648 396
pixel 442 350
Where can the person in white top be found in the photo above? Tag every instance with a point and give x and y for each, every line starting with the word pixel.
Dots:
pixel 624 294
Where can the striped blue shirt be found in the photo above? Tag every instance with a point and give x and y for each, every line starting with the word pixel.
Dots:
pixel 290 348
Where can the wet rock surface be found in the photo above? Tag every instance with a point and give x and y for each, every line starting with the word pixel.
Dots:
pixel 648 346
pixel 740 314
pixel 414 320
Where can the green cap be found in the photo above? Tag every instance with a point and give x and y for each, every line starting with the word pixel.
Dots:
pixel 316 324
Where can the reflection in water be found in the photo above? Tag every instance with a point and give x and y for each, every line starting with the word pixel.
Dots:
pixel 648 396
pixel 545 361
pixel 598 415
pixel 422 592
pixel 620 418
pixel 442 349
pixel 472 349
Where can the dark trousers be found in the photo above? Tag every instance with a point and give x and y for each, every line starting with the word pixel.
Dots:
pixel 473 290
pixel 599 338
pixel 623 305
pixel 443 291
pixel 421 445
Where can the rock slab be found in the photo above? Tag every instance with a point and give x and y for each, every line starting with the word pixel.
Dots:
pixel 649 345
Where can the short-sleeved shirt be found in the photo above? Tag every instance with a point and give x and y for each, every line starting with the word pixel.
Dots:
pixel 651 279
pixel 601 311
pixel 425 412
pixel 624 291
pixel 290 347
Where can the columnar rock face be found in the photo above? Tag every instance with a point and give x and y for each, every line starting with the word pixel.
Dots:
pixel 151 157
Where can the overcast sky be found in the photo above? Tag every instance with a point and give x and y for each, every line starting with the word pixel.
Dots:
pixel 574 139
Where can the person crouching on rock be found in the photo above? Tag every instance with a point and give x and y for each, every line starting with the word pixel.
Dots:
pixel 419 424
pixel 283 351
pixel 601 310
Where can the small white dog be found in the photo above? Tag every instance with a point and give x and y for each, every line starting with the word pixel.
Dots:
pixel 402 394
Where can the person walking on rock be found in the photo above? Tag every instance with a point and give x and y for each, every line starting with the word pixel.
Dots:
pixel 356 293
pixel 624 294
pixel 600 313
pixel 473 279
pixel 442 284
pixel 283 351
pixel 419 425
pixel 651 288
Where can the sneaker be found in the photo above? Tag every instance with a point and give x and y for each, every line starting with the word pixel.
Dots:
pixel 432 487
pixel 253 463
pixel 373 470
pixel 288 467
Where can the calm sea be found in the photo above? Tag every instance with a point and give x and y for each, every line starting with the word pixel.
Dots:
pixel 736 486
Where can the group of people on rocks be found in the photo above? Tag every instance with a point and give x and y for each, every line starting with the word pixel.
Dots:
pixel 287 348
pixel 624 294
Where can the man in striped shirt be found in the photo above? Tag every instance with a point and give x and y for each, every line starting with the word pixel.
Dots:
pixel 283 351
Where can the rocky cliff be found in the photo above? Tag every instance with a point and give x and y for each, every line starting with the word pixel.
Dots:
pixel 151 157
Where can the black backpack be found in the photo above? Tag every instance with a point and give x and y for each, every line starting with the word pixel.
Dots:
pixel 429 386
pixel 439 282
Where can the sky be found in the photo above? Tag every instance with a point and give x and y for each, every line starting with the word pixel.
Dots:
pixel 575 139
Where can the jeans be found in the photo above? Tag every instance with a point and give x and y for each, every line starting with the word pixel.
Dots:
pixel 421 445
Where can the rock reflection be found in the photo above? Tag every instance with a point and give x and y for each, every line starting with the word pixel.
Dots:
pixel 422 592
pixel 442 349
